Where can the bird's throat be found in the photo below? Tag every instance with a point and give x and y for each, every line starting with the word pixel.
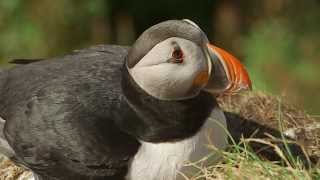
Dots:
pixel 153 120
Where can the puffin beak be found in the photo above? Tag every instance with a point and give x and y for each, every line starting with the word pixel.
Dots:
pixel 227 74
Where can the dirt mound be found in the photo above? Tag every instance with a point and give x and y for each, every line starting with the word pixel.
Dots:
pixel 260 115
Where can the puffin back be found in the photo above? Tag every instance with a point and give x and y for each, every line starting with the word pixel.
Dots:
pixel 57 110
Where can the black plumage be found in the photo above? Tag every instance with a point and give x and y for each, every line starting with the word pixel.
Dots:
pixel 80 116
pixel 59 115
pixel 65 121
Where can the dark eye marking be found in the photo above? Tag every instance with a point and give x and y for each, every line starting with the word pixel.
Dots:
pixel 177 54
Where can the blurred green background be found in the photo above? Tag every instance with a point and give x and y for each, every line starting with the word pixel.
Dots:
pixel 278 40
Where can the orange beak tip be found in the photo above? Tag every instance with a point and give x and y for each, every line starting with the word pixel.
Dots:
pixel 237 75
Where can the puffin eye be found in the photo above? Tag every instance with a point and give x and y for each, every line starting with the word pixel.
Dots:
pixel 177 55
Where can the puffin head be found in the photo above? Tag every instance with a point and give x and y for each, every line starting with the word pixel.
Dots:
pixel 174 60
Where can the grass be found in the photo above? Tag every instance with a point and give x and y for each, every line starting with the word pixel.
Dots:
pixel 242 161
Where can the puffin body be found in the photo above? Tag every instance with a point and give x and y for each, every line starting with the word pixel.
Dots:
pixel 114 112
pixel 69 117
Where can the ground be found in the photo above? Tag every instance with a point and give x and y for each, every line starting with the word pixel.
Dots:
pixel 269 139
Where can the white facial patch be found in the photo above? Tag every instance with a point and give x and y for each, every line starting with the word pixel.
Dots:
pixel 165 161
pixel 170 81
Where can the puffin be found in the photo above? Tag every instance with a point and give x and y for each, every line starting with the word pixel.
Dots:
pixel 114 112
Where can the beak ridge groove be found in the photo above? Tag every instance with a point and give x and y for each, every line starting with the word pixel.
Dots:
pixel 236 74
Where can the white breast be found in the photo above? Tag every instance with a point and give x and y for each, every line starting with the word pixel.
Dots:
pixel 164 161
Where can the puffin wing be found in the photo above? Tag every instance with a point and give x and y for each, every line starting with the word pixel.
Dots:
pixel 109 49
pixel 59 115
pixel 24 61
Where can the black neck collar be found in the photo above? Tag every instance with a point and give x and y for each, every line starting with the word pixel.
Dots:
pixel 153 120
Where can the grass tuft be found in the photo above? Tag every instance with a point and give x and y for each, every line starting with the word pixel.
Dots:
pixel 269 128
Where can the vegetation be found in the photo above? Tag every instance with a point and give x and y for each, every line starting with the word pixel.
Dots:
pixel 281 146
pixel 242 163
